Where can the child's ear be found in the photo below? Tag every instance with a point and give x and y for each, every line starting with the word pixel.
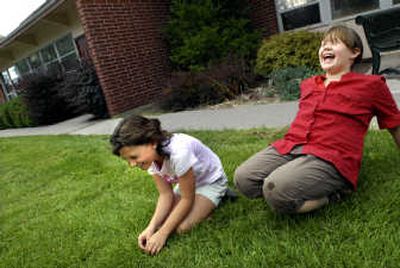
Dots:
pixel 154 145
pixel 356 52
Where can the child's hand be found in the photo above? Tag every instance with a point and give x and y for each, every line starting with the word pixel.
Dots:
pixel 144 237
pixel 155 243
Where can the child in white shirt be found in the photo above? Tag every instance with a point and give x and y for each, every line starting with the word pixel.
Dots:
pixel 171 159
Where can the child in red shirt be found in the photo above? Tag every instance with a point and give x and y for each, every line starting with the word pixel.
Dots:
pixel 319 158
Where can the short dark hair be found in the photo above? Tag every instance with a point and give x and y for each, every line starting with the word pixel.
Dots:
pixel 348 36
pixel 139 130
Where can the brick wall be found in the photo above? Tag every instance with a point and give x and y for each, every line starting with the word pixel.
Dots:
pixel 263 16
pixel 126 45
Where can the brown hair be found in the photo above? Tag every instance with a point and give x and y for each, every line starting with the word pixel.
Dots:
pixel 139 130
pixel 348 36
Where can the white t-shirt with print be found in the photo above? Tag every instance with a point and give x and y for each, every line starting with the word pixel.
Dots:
pixel 187 152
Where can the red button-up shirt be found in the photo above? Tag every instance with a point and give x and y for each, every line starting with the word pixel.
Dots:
pixel 332 121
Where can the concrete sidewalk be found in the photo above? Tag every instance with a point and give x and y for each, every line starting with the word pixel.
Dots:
pixel 239 117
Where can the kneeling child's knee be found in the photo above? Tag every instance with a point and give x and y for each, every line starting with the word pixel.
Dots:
pixel 277 201
pixel 183 228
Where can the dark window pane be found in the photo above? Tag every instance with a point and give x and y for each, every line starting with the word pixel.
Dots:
pixel 283 5
pixel 35 61
pixel 7 79
pixel 70 62
pixel 396 2
pixel 343 8
pixel 48 53
pixel 65 45
pixel 22 67
pixel 9 87
pixel 301 17
pixel 54 67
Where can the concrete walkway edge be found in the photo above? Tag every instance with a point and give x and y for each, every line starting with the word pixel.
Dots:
pixel 274 115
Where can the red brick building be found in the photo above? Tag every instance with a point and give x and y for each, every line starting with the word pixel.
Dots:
pixel 123 39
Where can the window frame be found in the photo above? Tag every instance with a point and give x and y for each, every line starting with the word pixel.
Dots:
pixel 326 13
pixel 57 60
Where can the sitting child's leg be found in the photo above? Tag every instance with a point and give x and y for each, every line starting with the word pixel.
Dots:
pixel 202 208
pixel 249 176
pixel 207 198
pixel 302 185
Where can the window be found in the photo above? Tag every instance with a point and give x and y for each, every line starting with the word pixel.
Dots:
pixel 49 54
pixel 65 45
pixel 35 61
pixel 70 61
pixel 342 8
pixel 23 67
pixel 8 77
pixel 298 13
pixel 54 57
pixel 284 5
pixel 301 17
pixel 396 2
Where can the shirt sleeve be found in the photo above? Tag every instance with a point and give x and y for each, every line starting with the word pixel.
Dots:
pixel 182 161
pixel 386 109
pixel 152 169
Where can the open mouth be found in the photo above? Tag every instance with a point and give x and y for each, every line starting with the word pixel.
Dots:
pixel 328 56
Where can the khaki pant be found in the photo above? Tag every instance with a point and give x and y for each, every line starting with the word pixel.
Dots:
pixel 287 181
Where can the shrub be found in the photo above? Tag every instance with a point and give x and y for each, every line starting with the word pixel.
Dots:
pixel 201 33
pixel 224 80
pixel 290 49
pixel 81 88
pixel 286 81
pixel 42 96
pixel 14 113
pixel 190 90
pixel 54 95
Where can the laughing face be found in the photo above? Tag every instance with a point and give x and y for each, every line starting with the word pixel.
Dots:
pixel 335 57
pixel 141 156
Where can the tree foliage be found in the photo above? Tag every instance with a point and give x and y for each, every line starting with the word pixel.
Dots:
pixel 203 32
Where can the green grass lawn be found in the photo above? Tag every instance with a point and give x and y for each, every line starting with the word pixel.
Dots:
pixel 66 201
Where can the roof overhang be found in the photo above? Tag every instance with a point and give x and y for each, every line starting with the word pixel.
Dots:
pixel 45 9
pixel 51 14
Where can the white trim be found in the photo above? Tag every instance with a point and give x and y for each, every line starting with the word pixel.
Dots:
pixel 299 6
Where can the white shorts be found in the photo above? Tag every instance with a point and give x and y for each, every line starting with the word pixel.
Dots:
pixel 214 191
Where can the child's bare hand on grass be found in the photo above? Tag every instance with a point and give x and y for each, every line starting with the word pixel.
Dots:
pixel 155 243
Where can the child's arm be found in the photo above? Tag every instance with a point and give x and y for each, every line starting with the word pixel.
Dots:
pixel 396 135
pixel 163 208
pixel 178 214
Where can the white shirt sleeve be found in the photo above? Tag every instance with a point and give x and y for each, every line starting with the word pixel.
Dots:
pixel 152 170
pixel 182 161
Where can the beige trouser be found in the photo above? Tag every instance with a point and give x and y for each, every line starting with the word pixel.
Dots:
pixel 287 181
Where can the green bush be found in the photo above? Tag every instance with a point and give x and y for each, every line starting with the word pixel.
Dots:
pixel 286 81
pixel 56 95
pixel 201 33
pixel 220 81
pixel 45 102
pixel 290 49
pixel 81 89
pixel 14 114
